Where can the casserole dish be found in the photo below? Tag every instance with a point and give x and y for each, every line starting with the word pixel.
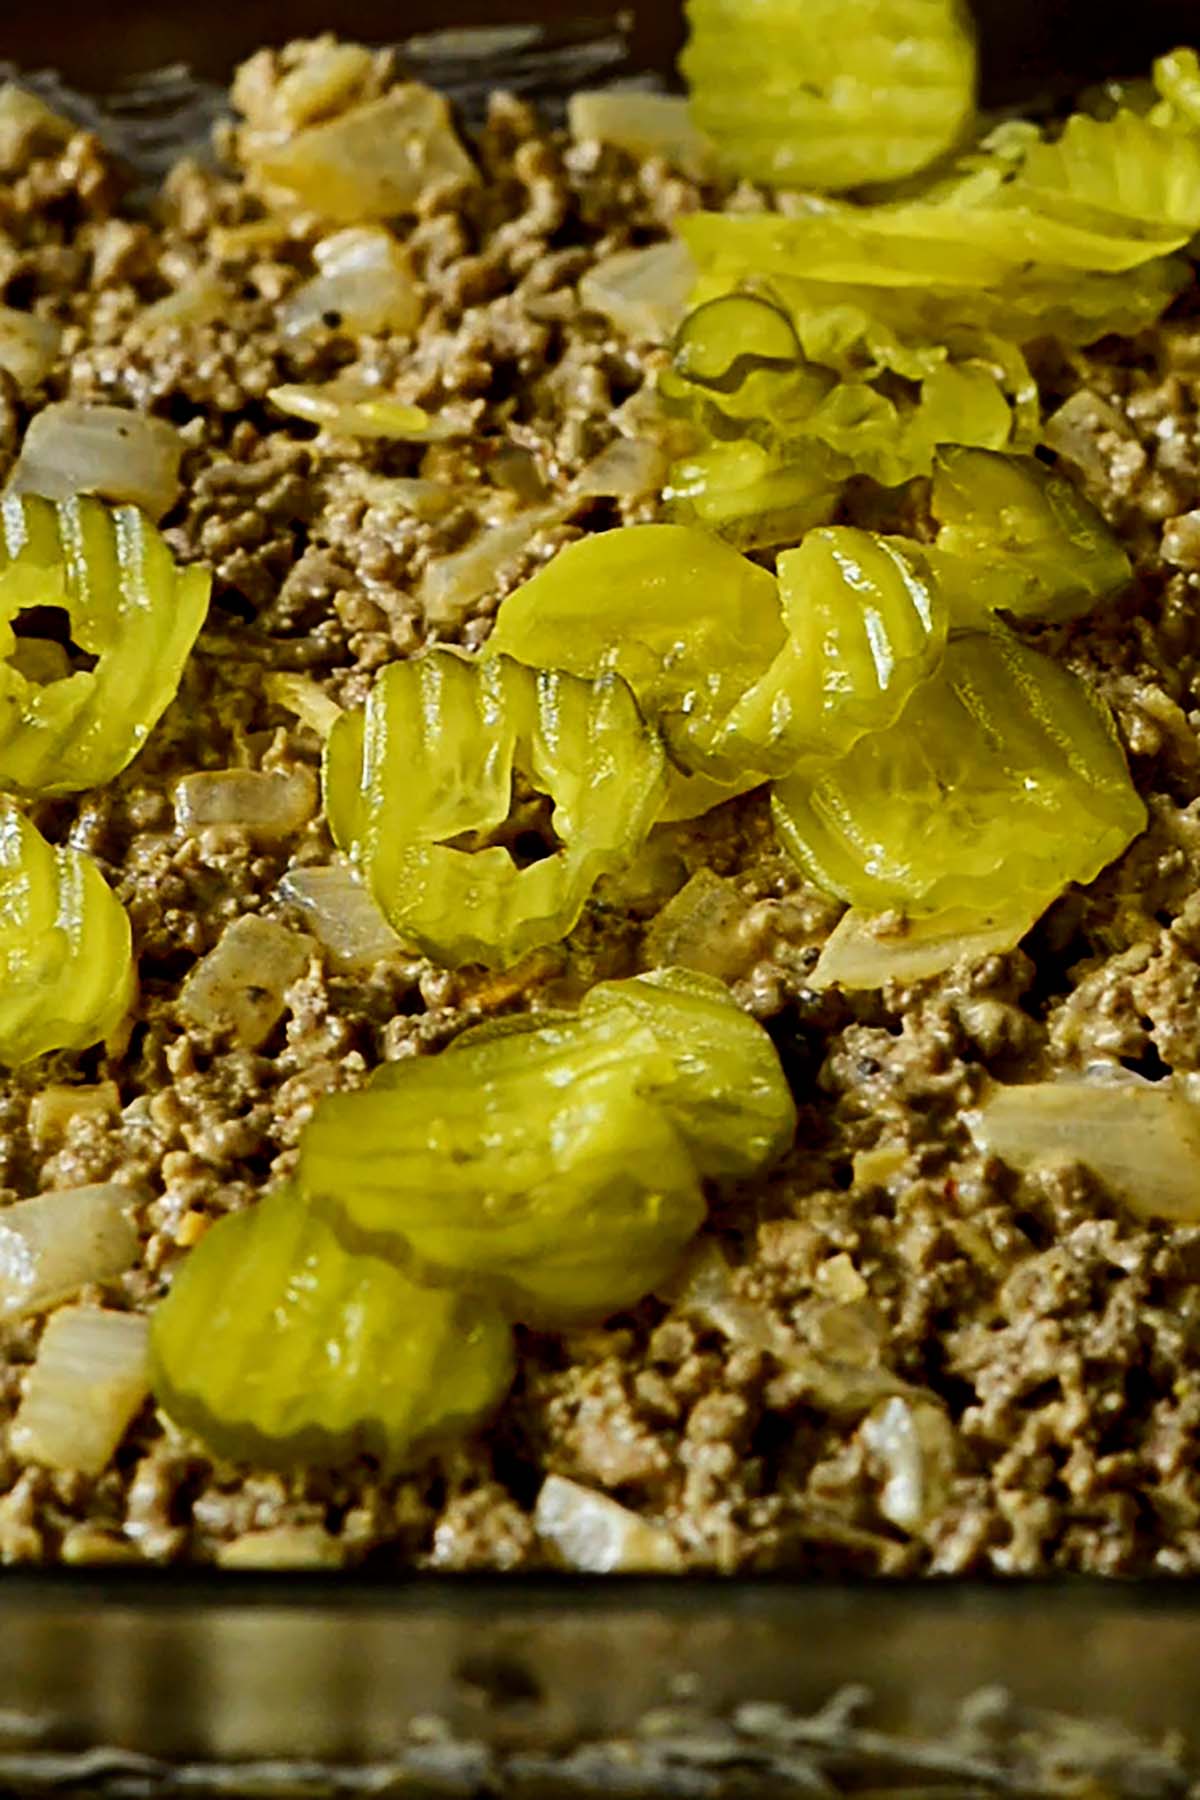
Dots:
pixel 131 1681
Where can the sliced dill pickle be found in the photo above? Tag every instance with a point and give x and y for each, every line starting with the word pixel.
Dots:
pixel 920 243
pixel 1002 779
pixel 728 1097
pixel 130 608
pixel 685 620
pixel 416 797
pixel 756 499
pixel 866 622
pixel 1015 534
pixel 66 968
pixel 279 1346
pixel 830 93
pixel 1127 175
pixel 534 1165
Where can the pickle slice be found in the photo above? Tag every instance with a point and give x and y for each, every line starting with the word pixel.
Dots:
pixel 277 1345
pixel 1001 779
pixel 830 93
pixel 443 738
pixel 866 622
pixel 1016 535
pixel 130 608
pixel 533 1165
pixel 728 1095
pixel 685 620
pixel 66 967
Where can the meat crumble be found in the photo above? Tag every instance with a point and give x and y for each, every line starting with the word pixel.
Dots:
pixel 892 1355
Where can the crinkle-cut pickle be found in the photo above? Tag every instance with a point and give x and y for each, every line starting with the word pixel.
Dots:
pixel 786 387
pixel 1002 777
pixel 130 607
pixel 66 967
pixel 866 621
pixel 279 1346
pixel 685 620
pixel 427 771
pixel 1017 535
pixel 728 1095
pixel 535 1166
pixel 830 93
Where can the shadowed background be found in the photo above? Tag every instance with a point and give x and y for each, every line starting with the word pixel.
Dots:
pixel 1029 45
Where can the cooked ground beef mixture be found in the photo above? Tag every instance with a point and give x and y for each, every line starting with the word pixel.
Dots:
pixel 1043 1347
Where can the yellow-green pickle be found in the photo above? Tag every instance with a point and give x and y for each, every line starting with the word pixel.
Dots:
pixel 416 787
pixel 131 611
pixel 66 971
pixel 278 1345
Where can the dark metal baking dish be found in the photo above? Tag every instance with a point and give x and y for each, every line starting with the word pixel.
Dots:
pixel 139 1682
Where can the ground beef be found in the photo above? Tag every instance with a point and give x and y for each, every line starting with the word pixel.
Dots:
pixel 1037 1346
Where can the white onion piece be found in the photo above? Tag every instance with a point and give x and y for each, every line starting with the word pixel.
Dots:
pixel 1141 1138
pixel 55 1244
pixel 644 293
pixel 52 1109
pixel 596 1535
pixel 350 409
pixel 703 927
pixel 24 117
pixel 241 983
pixel 1075 430
pixel 342 916
pixel 199 300
pixel 867 950
pixel 453 585
pixel 76 448
pixel 283 1547
pixel 913 1444
pixel 838 1385
pixel 373 162
pixel 28 346
pixel 301 695
pixel 90 1378
pixel 267 805
pixel 626 469
pixel 643 124
pixel 366 284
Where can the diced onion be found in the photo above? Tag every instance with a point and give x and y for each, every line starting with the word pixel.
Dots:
pixel 643 124
pixel 702 928
pixel 89 1380
pixel 1075 430
pixel 913 1442
pixel 373 162
pixel 351 410
pixel 365 284
pixel 453 585
pixel 55 1244
pixel 283 1547
pixel 644 293
pixel 867 950
pixel 199 300
pixel 626 469
pixel 267 805
pixel 242 982
pixel 598 1536
pixel 52 1109
pixel 326 76
pixel 342 916
pixel 78 448
pixel 835 1382
pixel 28 346
pixel 301 695
pixel 1141 1138
pixel 23 117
